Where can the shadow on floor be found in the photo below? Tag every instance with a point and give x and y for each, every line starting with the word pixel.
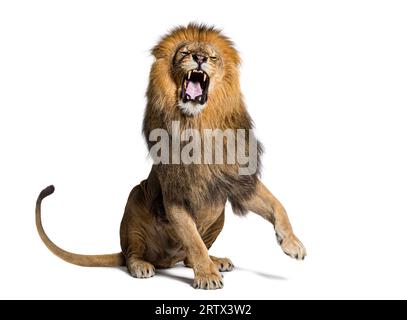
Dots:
pixel 262 274
pixel 167 273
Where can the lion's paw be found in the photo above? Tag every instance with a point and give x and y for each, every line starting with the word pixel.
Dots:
pixel 141 269
pixel 292 247
pixel 208 281
pixel 223 264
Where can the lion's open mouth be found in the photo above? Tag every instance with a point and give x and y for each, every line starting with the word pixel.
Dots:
pixel 195 87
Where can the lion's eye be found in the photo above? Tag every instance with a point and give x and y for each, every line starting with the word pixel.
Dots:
pixel 213 58
pixel 184 53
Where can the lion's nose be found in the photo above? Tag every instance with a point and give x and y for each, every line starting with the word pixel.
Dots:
pixel 199 58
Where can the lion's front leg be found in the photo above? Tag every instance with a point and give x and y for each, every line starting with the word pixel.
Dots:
pixel 209 237
pixel 266 205
pixel 206 273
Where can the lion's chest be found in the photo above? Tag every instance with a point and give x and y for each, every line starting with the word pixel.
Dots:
pixel 195 187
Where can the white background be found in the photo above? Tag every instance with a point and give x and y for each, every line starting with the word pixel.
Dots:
pixel 325 82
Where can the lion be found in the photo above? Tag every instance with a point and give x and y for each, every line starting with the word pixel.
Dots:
pixel 176 214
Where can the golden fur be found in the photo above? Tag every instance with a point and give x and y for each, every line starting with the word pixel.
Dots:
pixel 178 211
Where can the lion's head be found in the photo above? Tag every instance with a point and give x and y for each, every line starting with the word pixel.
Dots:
pixel 196 68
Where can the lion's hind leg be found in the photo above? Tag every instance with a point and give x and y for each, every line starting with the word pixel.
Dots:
pixel 134 235
pixel 134 253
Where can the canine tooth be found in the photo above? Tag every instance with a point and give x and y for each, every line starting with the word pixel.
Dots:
pixel 189 74
pixel 204 76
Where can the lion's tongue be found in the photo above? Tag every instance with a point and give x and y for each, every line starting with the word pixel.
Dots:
pixel 194 89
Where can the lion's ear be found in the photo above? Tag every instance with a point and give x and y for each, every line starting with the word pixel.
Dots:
pixel 164 49
pixel 168 43
pixel 157 52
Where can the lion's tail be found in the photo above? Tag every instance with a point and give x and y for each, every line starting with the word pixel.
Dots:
pixel 104 260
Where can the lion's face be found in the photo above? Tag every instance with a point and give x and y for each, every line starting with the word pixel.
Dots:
pixel 197 68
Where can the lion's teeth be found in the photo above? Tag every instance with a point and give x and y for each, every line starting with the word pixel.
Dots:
pixel 189 75
pixel 204 77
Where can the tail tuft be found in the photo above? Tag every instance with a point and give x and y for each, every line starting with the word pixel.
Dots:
pixel 46 192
